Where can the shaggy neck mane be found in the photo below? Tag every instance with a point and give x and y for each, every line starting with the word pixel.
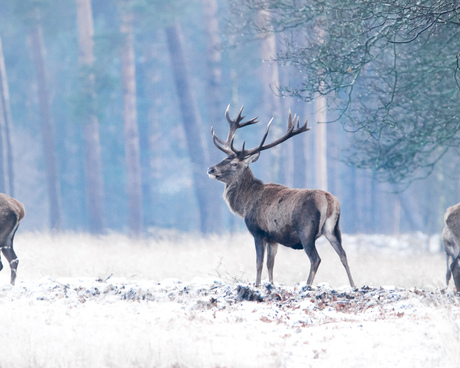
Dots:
pixel 239 193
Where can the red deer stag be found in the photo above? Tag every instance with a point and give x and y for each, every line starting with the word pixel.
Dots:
pixel 451 240
pixel 11 213
pixel 273 213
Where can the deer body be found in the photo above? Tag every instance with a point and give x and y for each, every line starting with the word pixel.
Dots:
pixel 11 213
pixel 451 240
pixel 279 213
pixel 275 214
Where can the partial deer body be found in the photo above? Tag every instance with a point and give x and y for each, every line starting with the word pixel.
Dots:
pixel 275 214
pixel 451 240
pixel 11 213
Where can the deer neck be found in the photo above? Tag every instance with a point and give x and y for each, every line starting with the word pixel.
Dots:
pixel 240 193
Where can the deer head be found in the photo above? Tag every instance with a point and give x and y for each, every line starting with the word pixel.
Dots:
pixel 232 167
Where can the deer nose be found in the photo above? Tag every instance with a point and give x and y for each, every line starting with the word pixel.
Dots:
pixel 210 170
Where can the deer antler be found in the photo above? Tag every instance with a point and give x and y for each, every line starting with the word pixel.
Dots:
pixel 293 129
pixel 227 146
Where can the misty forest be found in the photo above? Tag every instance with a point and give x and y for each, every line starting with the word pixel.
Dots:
pixel 114 112
pixel 107 107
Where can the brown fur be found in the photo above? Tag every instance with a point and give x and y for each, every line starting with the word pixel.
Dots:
pixel 11 213
pixel 275 214
pixel 451 240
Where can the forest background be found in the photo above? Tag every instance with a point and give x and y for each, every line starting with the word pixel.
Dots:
pixel 106 109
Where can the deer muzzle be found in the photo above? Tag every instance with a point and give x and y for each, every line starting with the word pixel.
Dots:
pixel 211 171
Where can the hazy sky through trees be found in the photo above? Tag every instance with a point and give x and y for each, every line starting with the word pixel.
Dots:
pixel 112 139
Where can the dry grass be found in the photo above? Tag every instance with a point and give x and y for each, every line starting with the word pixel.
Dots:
pixel 230 257
pixel 103 332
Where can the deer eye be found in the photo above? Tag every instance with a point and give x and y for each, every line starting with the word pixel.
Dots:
pixel 234 164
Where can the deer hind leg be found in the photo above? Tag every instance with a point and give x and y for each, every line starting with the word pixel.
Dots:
pixel 260 251
pixel 315 261
pixel 335 238
pixel 271 253
pixel 308 238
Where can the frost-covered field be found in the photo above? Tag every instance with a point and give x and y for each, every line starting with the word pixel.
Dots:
pixel 179 300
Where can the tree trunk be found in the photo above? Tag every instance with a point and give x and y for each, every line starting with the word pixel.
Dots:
pixel 333 154
pixel 215 108
pixel 132 151
pixel 3 172
pixel 374 209
pixel 321 143
pixel 149 77
pixel 93 160
pixel 213 59
pixel 3 149
pixel 147 123
pixel 199 154
pixel 351 202
pixel 47 125
pixel 300 162
pixel 396 215
pixel 5 124
pixel 321 132
pixel 271 102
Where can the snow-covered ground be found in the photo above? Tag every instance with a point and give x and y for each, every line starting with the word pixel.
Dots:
pixel 179 300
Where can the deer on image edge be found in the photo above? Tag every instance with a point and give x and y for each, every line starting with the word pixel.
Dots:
pixel 11 213
pixel 275 214
pixel 451 240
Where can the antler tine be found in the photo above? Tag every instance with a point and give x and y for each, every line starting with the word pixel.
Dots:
pixel 305 125
pixel 227 146
pixel 294 123
pixel 266 133
pixel 237 122
pixel 227 115
pixel 260 146
pixel 249 122
pixel 222 145
pixel 293 129
pixel 239 117
pixel 233 124
pixel 290 119
pixel 215 137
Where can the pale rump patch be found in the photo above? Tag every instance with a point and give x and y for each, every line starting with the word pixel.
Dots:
pixel 324 215
pixel 330 210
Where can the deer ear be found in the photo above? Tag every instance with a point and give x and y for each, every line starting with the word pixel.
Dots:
pixel 251 159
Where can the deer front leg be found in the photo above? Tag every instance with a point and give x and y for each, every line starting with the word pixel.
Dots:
pixel 271 253
pixel 13 260
pixel 455 269
pixel 260 251
pixel 448 272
